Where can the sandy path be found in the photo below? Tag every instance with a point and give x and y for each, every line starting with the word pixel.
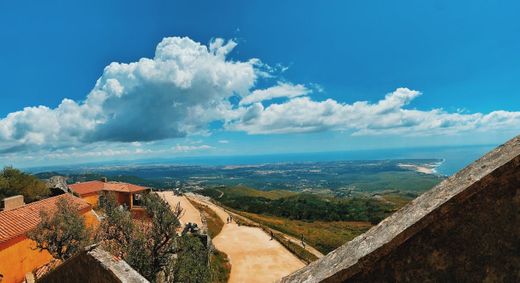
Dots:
pixel 254 257
pixel 191 214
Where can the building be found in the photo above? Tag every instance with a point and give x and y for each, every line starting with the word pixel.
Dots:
pixel 17 252
pixel 93 265
pixel 465 229
pixel 125 193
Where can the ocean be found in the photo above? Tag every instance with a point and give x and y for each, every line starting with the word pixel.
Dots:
pixel 454 158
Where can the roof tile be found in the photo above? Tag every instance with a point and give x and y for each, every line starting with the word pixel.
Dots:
pixel 18 221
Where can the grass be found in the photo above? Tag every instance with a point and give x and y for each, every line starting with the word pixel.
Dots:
pixel 213 222
pixel 238 191
pixel 219 262
pixel 219 267
pixel 324 236
pixel 296 249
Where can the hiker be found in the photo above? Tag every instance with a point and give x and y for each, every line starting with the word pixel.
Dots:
pixel 303 243
pixel 271 235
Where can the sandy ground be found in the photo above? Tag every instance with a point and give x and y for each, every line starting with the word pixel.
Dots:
pixel 420 169
pixel 191 214
pixel 254 257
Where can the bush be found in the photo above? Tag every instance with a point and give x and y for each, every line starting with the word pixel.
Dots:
pixel 62 233
pixel 15 182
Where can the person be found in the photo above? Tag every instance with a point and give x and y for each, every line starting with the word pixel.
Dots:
pixel 303 243
pixel 271 235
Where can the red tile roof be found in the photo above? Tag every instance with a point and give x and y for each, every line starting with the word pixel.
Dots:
pixel 123 187
pixel 87 187
pixel 19 221
pixel 96 186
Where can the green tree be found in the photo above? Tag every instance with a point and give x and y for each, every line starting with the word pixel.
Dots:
pixel 149 245
pixel 116 229
pixel 160 235
pixel 192 265
pixel 62 233
pixel 15 182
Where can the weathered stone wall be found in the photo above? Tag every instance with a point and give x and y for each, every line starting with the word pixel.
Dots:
pixel 467 229
pixel 96 266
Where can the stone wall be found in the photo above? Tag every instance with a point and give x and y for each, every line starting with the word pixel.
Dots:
pixel 466 229
pixel 93 265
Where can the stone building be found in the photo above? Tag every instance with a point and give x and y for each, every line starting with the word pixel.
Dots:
pixel 466 229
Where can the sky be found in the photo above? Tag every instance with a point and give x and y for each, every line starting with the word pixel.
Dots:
pixel 117 80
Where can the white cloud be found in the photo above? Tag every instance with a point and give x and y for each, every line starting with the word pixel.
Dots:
pixel 223 141
pixel 177 93
pixel 387 116
pixel 188 148
pixel 281 90
pixel 187 86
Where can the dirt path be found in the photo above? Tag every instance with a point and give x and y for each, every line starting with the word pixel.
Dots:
pixel 254 257
pixel 190 214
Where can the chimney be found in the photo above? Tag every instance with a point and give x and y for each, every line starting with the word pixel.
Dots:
pixel 104 179
pixel 13 202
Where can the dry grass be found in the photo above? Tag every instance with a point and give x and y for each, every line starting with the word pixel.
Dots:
pixel 219 261
pixel 324 236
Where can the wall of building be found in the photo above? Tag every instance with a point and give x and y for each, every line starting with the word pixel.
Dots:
pixel 92 199
pixel 94 265
pixel 476 241
pixel 19 257
pixel 123 198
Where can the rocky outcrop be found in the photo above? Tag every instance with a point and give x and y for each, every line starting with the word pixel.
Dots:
pixel 58 182
pixel 466 229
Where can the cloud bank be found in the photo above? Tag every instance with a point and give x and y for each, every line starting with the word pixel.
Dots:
pixel 387 116
pixel 187 87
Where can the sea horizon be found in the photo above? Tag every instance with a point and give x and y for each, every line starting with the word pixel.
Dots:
pixel 454 158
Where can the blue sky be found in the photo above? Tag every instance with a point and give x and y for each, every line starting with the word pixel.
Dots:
pixel 319 62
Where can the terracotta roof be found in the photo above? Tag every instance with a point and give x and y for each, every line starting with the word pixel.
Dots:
pixel 123 187
pixel 96 186
pixel 87 187
pixel 18 221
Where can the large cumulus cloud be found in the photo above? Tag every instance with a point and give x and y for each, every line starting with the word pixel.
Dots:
pixel 187 86
pixel 178 92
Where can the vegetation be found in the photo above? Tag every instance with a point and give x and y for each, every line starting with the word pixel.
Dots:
pixel 62 233
pixel 219 267
pixel 306 206
pixel 116 231
pixel 15 182
pixel 322 235
pixel 219 262
pixel 213 221
pixel 296 249
pixel 149 245
pixel 193 262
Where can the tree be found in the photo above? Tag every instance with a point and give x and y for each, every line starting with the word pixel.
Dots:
pixel 192 265
pixel 117 228
pixel 62 233
pixel 149 245
pixel 15 182
pixel 160 234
